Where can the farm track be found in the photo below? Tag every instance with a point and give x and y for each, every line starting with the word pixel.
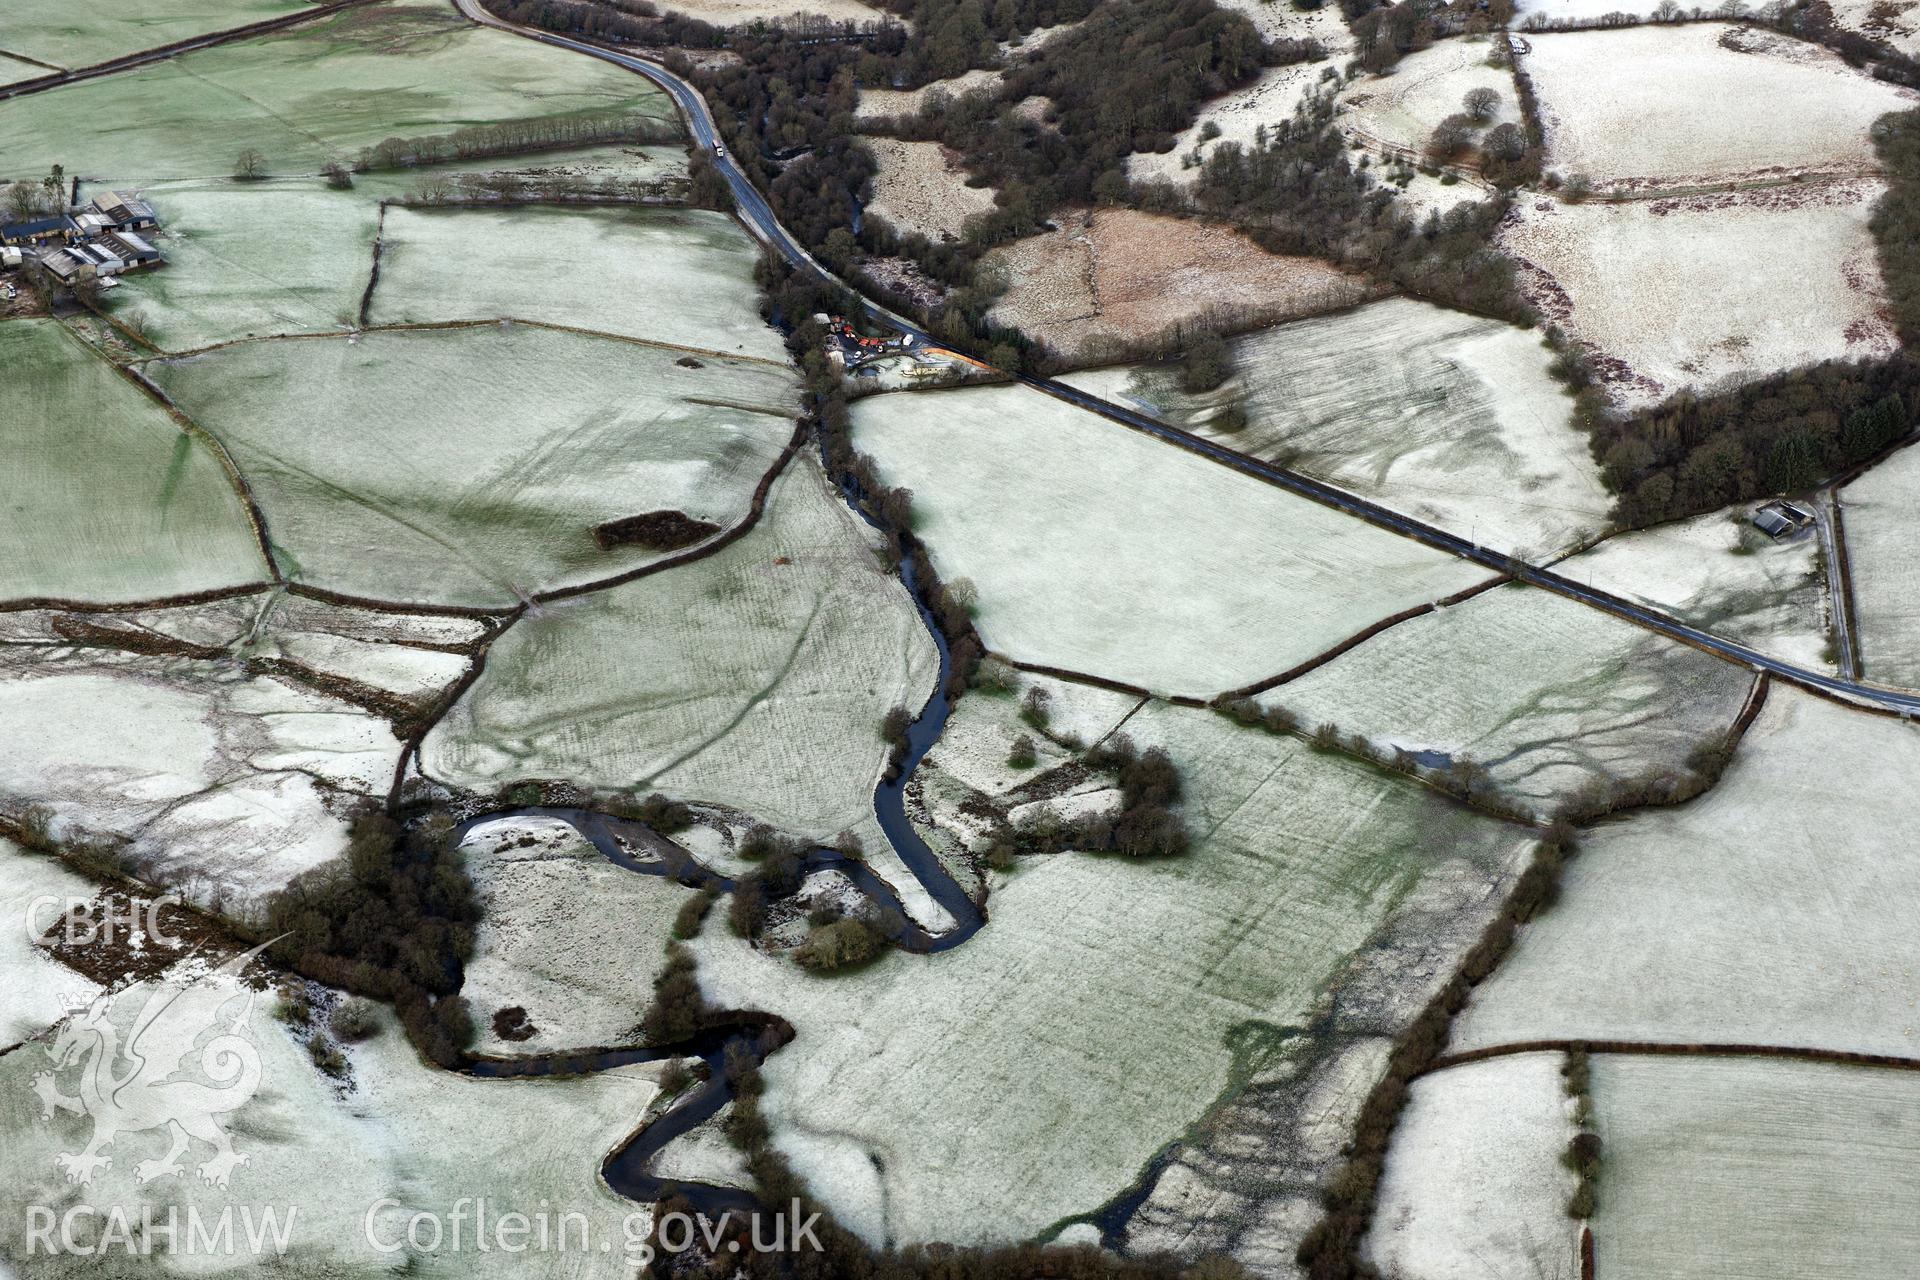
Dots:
pixel 1833 540
pixel 160 53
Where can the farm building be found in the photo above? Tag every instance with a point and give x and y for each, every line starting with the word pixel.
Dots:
pixel 58 229
pixel 123 213
pixel 1778 519
pixel 109 255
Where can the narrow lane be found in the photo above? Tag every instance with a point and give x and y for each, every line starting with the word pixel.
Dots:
pixel 1826 511
pixel 759 217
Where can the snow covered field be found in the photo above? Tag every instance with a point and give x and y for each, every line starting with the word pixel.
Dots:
pixel 1722 575
pixel 471 466
pixel 1108 995
pixel 1772 910
pixel 1200 581
pixel 1474 1187
pixel 1644 108
pixel 755 678
pixel 224 786
pixel 1707 291
pixel 677 276
pixel 416 67
pixel 104 497
pixel 567 935
pixel 38 990
pixel 1547 693
pixel 1877 512
pixel 399 1138
pixel 1399 110
pixel 1761 1169
pixel 1447 417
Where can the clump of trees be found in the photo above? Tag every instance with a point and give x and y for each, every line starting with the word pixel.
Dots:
pixel 1582 1155
pixel 692 914
pixel 1147 824
pixel 664 815
pixel 842 943
pixel 666 530
pixel 628 21
pixel 26 200
pixel 1693 454
pixel 1896 219
pixel 394 920
pixel 1383 33
pixel 679 1009
pixel 1296 191
pixel 514 137
pixel 1207 364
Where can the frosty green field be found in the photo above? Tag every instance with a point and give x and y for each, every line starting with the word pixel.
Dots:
pixel 1474 1186
pixel 1545 692
pixel 1720 574
pixel 1121 994
pixel 1768 911
pixel 1760 1169
pixel 416 67
pixel 470 466
pixel 1877 514
pixel 106 498
pixel 234 272
pixel 13 71
pixel 755 678
pixel 78 33
pixel 678 276
pixel 1203 580
pixel 1447 417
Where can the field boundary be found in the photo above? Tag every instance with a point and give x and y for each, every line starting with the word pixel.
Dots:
pixel 32 62
pixel 53 604
pixel 1675 1049
pixel 373 276
pixel 1098 682
pixel 429 326
pixel 159 53
pixel 255 515
pixel 1840 579
pixel 1360 637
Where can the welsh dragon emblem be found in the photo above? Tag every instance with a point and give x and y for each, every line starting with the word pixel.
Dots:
pixel 144 1056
